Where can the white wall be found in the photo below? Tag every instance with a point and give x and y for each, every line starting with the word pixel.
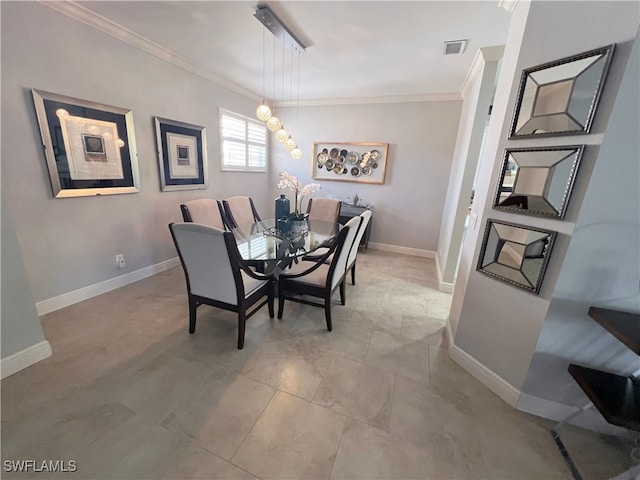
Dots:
pixel 477 96
pixel 421 138
pixel 70 243
pixel 501 334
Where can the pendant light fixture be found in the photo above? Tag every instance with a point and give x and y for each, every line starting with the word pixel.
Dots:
pixel 269 19
pixel 263 112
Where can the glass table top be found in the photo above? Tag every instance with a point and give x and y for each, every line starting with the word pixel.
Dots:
pixel 263 241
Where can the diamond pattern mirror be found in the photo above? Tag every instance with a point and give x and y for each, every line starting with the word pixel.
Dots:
pixel 515 254
pixel 561 97
pixel 537 181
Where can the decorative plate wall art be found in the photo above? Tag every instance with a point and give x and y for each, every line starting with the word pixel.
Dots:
pixel 350 162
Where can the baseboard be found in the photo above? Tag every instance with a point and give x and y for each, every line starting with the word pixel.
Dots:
pixel 56 303
pixel 444 287
pixel 488 378
pixel 448 332
pixel 416 252
pixel 24 358
pixel 589 419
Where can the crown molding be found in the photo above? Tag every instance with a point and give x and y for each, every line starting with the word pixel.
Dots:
pixel 86 16
pixel 438 97
pixel 508 5
pixel 483 55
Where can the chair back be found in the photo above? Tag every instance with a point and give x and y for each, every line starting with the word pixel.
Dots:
pixel 240 211
pixel 325 209
pixel 206 260
pixel 204 210
pixel 353 251
pixel 339 264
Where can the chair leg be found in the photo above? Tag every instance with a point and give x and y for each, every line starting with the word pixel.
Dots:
pixel 343 293
pixel 192 315
pixel 353 274
pixel 241 324
pixel 270 297
pixel 327 312
pixel 280 300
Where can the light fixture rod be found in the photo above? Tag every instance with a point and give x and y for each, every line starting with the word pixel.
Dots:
pixel 269 19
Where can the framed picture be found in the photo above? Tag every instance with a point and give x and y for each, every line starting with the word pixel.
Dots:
pixel 350 162
pixel 89 147
pixel 182 155
pixel 561 97
pixel 537 181
pixel 515 254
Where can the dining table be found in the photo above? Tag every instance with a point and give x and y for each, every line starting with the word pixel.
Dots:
pixel 264 243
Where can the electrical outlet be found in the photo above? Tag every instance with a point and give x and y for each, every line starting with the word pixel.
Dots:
pixel 120 262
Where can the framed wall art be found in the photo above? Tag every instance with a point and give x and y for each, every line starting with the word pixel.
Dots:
pixel 89 147
pixel 182 155
pixel 515 254
pixel 561 97
pixel 537 181
pixel 350 162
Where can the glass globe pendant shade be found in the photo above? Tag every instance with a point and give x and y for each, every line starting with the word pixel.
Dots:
pixel 290 144
pixel 282 135
pixel 274 124
pixel 263 112
pixel 296 153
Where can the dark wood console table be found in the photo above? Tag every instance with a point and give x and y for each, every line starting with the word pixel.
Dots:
pixel 616 397
pixel 348 211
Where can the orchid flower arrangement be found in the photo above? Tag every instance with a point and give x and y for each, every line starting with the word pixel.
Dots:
pixel 292 183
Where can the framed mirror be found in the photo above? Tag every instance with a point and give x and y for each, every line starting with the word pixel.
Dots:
pixel 537 181
pixel 515 254
pixel 560 97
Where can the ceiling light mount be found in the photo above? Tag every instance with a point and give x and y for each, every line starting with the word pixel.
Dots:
pixel 269 19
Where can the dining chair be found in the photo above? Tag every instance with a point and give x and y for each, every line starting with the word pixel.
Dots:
pixel 325 209
pixel 240 211
pixel 216 276
pixel 318 279
pixel 355 247
pixel 206 211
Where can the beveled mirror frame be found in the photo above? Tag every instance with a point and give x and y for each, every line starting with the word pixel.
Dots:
pixel 522 207
pixel 533 287
pixel 606 52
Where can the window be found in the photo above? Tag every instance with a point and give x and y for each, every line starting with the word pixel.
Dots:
pixel 244 143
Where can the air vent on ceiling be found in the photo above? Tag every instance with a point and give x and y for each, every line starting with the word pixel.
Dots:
pixel 454 47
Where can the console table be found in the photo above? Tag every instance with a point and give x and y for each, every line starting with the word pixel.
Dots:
pixel 348 211
pixel 616 397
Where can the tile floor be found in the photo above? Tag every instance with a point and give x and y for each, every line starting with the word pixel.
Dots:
pixel 129 394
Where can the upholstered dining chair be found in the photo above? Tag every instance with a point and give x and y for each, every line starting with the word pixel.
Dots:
pixel 204 210
pixel 240 211
pixel 318 279
pixel 216 276
pixel 325 209
pixel 355 247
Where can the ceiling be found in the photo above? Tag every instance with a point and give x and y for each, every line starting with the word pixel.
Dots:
pixel 356 49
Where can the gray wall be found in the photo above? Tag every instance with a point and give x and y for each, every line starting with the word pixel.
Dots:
pixel 608 233
pixel 70 243
pixel 502 334
pixel 421 138
pixel 20 323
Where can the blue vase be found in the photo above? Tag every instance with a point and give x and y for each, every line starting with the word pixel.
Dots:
pixel 283 208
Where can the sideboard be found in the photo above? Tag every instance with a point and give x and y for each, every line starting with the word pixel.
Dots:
pixel 348 211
